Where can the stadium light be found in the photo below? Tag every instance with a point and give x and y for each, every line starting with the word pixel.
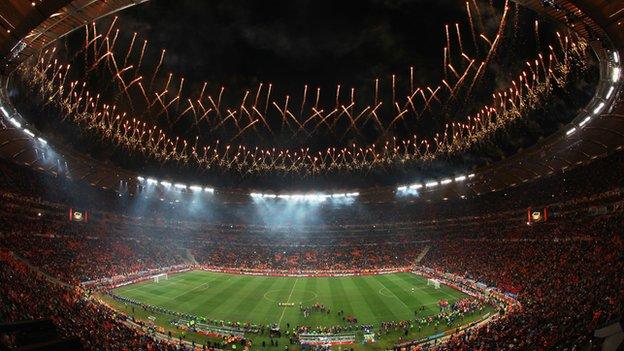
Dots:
pixel 6 114
pixel 471 175
pixel 139 178
pixel 180 186
pixel 446 181
pixel 610 92
pixel 29 133
pixel 42 141
pixel 460 178
pixel 415 186
pixel 196 188
pixel 584 122
pixel 616 57
pixel 599 108
pixel 15 123
pixel 615 74
pixel 165 183
pixel 260 195
pixel 151 181
pixel 431 184
pixel 571 131
pixel 209 190
pixel 317 197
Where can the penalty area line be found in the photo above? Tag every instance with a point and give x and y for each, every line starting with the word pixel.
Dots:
pixel 392 292
pixel 188 291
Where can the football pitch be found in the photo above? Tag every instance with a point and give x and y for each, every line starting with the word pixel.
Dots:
pixel 256 299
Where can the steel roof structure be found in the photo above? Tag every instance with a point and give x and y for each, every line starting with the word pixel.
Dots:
pixel 26 27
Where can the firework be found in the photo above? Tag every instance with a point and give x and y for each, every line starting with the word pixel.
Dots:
pixel 133 118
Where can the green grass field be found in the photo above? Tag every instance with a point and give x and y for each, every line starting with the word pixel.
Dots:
pixel 371 299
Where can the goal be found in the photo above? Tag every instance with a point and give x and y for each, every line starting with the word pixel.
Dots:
pixel 434 282
pixel 159 277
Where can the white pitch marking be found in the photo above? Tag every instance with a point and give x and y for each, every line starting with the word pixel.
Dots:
pixel 287 301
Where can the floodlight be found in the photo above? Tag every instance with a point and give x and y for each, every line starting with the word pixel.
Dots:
pixel 584 122
pixel 6 114
pixel 610 92
pixel 15 123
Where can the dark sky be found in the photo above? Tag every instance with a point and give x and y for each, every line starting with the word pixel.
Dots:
pixel 296 42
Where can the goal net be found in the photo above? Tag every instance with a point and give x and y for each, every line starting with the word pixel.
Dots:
pixel 159 277
pixel 433 282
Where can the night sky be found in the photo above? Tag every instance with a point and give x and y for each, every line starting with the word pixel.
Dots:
pixel 292 43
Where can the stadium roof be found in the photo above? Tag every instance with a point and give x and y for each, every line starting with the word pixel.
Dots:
pixel 598 130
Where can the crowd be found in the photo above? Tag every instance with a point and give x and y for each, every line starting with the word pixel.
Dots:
pixel 304 258
pixel 567 273
pixel 27 295
pixel 567 287
pixel 77 254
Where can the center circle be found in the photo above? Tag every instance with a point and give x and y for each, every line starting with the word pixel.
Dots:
pixel 296 296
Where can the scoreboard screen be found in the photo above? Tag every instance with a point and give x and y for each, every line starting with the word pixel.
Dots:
pixel 78 216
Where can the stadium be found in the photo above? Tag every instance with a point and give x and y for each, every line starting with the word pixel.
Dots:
pixel 311 175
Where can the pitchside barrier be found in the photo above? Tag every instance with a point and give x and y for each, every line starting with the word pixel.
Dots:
pixel 214 331
pixel 326 339
pixel 135 277
pixel 306 273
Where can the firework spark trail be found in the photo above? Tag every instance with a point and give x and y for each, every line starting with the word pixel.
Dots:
pixel 141 57
pixel 486 39
pixel 448 40
pixel 472 28
pixel 445 63
pixel 459 39
pixel 393 89
pixel 461 80
pixel 130 47
pixel 162 56
pixel 492 50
